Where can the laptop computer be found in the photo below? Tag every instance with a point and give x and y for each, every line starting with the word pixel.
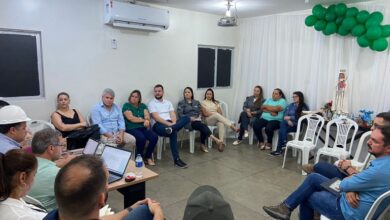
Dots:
pixel 116 161
pixel 91 147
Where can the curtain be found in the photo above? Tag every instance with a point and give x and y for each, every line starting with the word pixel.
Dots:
pixel 280 51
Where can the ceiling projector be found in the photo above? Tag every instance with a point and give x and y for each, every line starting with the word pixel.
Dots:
pixel 227 22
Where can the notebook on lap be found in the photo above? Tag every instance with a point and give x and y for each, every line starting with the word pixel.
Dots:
pixel 116 161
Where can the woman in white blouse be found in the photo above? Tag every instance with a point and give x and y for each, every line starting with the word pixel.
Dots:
pixel 17 172
pixel 212 113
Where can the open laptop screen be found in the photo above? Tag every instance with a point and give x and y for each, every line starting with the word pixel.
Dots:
pixel 90 147
pixel 116 159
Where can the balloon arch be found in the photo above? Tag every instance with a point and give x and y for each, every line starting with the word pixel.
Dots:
pixel 342 20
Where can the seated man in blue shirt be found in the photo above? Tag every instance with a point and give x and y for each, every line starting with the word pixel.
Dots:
pixel 81 191
pixel 358 192
pixel 110 119
pixel 13 127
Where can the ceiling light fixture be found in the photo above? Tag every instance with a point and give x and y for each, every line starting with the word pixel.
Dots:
pixel 229 20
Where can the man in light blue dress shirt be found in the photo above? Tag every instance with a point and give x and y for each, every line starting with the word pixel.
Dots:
pixel 110 119
pixel 357 193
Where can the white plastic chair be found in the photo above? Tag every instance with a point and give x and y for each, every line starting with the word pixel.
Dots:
pixel 31 200
pixel 225 111
pixel 251 135
pixel 192 135
pixel 37 125
pixel 162 141
pixel 339 148
pixel 314 125
pixel 355 161
pixel 382 200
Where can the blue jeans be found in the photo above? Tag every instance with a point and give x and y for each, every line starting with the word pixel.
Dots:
pixel 284 129
pixel 141 135
pixel 203 130
pixel 245 121
pixel 328 170
pixel 311 196
pixel 142 212
pixel 160 130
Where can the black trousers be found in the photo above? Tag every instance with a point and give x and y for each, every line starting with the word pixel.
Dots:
pixel 203 130
pixel 270 127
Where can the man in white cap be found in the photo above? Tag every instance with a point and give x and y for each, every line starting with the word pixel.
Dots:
pixel 13 127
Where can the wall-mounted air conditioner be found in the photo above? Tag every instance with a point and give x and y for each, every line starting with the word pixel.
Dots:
pixel 128 15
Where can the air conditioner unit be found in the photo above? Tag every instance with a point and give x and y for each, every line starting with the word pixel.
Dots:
pixel 128 15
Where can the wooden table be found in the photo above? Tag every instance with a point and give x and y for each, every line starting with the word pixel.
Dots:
pixel 135 190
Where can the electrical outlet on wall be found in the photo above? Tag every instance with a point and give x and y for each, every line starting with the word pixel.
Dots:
pixel 114 43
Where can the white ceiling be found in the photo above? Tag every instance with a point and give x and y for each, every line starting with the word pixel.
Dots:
pixel 245 8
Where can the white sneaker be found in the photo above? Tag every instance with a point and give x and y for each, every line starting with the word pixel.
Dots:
pixel 246 134
pixel 236 142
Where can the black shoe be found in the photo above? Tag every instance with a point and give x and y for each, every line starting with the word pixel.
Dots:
pixel 280 211
pixel 276 153
pixel 168 130
pixel 179 163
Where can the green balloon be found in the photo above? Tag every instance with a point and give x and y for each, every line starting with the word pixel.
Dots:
pixel 349 23
pixel 342 31
pixel 331 28
pixel 316 8
pixel 351 12
pixel 362 16
pixel 372 22
pixel 310 20
pixel 385 31
pixel 363 41
pixel 374 32
pixel 329 16
pixel 331 9
pixel 340 9
pixel 371 46
pixel 319 11
pixel 358 30
pixel 326 32
pixel 320 25
pixel 339 20
pixel 377 15
pixel 380 44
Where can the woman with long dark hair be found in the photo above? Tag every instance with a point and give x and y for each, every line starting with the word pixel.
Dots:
pixel 17 172
pixel 290 120
pixel 212 113
pixel 273 111
pixel 191 107
pixel 252 111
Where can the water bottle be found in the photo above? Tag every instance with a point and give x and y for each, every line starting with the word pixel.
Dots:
pixel 138 166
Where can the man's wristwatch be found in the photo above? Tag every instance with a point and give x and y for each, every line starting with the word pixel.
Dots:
pixel 129 209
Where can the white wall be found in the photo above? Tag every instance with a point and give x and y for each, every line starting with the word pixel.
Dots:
pixel 78 59
pixel 279 51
